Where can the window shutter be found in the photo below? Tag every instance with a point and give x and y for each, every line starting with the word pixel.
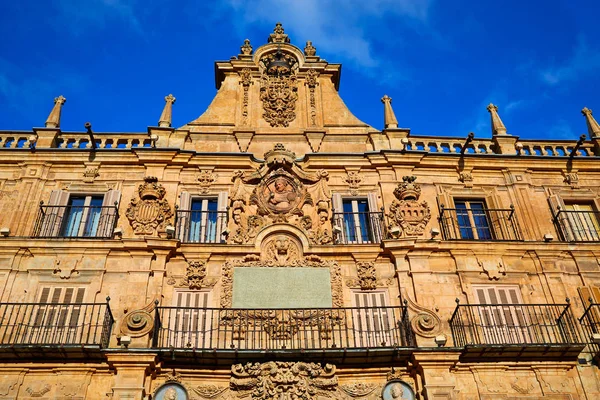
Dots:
pixel 222 204
pixel 191 321
pixel 108 215
pixel 337 216
pixel 183 217
pixel 53 214
pixel 561 220
pixel 372 200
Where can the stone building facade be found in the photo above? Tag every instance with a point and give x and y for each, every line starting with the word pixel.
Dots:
pixel 279 247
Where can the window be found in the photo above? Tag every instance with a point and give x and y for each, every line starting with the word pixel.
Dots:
pixel 82 216
pixel 583 224
pixel 473 219
pixel 374 322
pixel 78 215
pixel 356 220
pixel 501 315
pixel 57 316
pixel 190 322
pixel 202 219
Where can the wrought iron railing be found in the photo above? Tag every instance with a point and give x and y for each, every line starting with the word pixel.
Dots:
pixel 201 226
pixel 578 226
pixel 75 221
pixel 357 227
pixel 55 324
pixel 590 321
pixel 513 324
pixel 277 329
pixel 480 224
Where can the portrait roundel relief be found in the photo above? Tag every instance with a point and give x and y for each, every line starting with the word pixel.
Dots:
pixel 280 194
pixel 397 390
pixel 171 391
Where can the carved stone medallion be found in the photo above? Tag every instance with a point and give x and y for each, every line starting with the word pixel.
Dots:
pixel 408 216
pixel 283 380
pixel 150 213
pixel 280 194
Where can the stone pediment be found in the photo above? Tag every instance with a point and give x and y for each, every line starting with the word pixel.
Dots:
pixel 277 86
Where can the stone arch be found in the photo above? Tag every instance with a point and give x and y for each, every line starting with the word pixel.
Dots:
pixel 295 233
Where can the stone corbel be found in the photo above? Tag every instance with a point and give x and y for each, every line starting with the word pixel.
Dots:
pixel 425 322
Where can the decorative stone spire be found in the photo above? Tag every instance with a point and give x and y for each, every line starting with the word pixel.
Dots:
pixel 389 118
pixel 167 114
pixel 592 125
pixel 498 127
pixel 246 48
pixel 53 120
pixel 278 35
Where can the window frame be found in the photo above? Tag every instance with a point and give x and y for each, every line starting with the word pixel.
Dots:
pixel 352 228
pixel 473 227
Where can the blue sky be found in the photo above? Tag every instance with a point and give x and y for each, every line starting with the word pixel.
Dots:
pixel 442 62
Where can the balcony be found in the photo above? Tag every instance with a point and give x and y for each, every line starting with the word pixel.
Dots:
pixel 54 330
pixel 90 222
pixel 590 321
pixel 357 227
pixel 343 335
pixel 578 226
pixel 480 224
pixel 200 226
pixel 516 331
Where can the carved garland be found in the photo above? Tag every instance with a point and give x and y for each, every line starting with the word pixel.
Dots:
pixel 312 80
pixel 246 81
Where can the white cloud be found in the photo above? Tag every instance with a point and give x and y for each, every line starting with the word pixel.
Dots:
pixel 335 28
pixel 584 60
pixel 561 130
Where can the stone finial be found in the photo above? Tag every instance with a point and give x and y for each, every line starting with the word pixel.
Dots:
pixel 389 118
pixel 498 127
pixel 246 48
pixel 53 120
pixel 592 124
pixel 309 49
pixel 278 35
pixel 167 114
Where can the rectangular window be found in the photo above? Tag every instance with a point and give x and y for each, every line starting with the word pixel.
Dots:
pixel 82 216
pixel 501 317
pixel 373 322
pixel 57 317
pixel 203 220
pixel 191 324
pixel 582 221
pixel 473 220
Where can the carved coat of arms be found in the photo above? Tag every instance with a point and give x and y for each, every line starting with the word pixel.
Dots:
pixel 408 216
pixel 150 213
pixel 279 90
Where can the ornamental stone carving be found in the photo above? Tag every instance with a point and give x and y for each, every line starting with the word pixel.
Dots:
pixel 282 250
pixel 138 323
pixel 284 380
pixel 353 179
pixel 407 216
pixel 359 389
pixel 367 277
pixel 150 213
pixel 279 89
pixel 195 273
pixel 280 191
pixel 205 180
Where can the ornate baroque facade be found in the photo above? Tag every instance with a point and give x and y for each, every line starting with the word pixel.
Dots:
pixel 277 247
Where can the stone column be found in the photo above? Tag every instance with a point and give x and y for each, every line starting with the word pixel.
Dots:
pixel 439 382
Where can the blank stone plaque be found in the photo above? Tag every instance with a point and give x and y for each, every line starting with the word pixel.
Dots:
pixel 281 287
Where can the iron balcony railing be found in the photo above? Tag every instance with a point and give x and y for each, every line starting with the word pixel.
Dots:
pixel 480 224
pixel 282 329
pixel 75 222
pixel 201 226
pixel 578 226
pixel 55 324
pixel 590 321
pixel 357 227
pixel 513 324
